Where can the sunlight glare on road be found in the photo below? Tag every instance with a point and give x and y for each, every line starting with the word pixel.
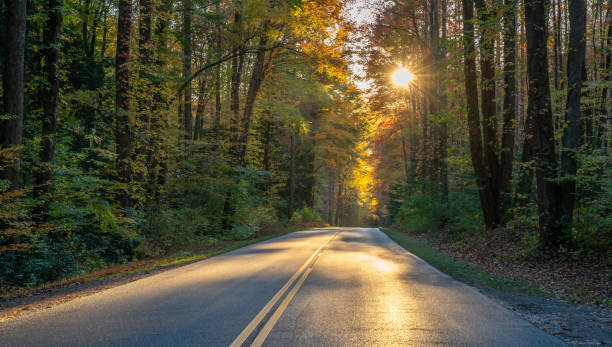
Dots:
pixel 402 77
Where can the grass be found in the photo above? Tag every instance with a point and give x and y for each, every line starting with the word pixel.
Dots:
pixel 143 266
pixel 459 270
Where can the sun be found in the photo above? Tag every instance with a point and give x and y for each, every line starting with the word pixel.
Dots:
pixel 402 77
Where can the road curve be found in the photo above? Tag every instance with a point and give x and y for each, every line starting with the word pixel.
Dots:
pixel 320 287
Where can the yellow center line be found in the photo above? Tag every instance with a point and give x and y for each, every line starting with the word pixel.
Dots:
pixel 265 331
pixel 248 330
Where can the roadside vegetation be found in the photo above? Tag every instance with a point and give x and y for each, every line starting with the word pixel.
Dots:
pixel 497 151
pixel 139 130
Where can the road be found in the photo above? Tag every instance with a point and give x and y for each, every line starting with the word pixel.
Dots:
pixel 320 287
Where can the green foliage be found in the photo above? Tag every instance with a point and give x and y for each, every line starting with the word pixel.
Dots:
pixel 592 232
pixel 425 212
pixel 305 215
pixel 420 213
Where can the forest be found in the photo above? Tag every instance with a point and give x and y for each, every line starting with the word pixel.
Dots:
pixel 133 129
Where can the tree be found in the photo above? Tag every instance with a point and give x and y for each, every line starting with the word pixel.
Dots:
pixel 11 135
pixel 122 99
pixel 488 201
pixel 50 101
pixel 187 115
pixel 571 136
pixel 539 110
pixel 509 103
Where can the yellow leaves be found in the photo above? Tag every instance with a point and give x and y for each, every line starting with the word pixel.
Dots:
pixel 321 33
pixel 363 176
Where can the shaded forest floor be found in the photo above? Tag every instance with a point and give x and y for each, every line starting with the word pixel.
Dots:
pixel 17 301
pixel 545 291
pixel 578 279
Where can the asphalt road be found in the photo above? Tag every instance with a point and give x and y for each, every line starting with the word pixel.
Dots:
pixel 322 287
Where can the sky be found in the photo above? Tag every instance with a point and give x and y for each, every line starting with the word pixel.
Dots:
pixel 361 13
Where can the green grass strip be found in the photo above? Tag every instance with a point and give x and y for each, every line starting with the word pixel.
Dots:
pixel 460 270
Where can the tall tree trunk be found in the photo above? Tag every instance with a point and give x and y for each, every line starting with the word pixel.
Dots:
pixel 104 28
pixel 539 108
pixel 267 144
pixel 443 103
pixel 405 156
pixel 571 136
pixel 487 201
pixel 144 108
pixel 509 113
pixel 87 7
pixel 525 181
pixel 145 39
pixel 237 65
pixel 11 130
pixel 197 131
pixel 604 110
pixel 257 77
pixel 556 30
pixel 217 117
pixel 291 177
pixel 94 30
pixel 434 85
pixel 50 102
pixel 187 117
pixel 157 156
pixel 488 106
pixel 123 96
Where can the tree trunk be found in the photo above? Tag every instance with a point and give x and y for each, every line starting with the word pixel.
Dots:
pixel 123 96
pixel 291 177
pixel 94 30
pixel 267 140
pixel 539 108
pixel 556 29
pixel 197 131
pixel 571 136
pixel 11 130
pixel 145 40
pixel 144 108
pixel 87 5
pixel 157 155
pixel 237 65
pixel 525 181
pixel 257 77
pixel 187 118
pixel 606 116
pixel 487 201
pixel 507 150
pixel 489 112
pixel 50 102
pixel 104 28
pixel 405 156
pixel 217 117
pixel 443 103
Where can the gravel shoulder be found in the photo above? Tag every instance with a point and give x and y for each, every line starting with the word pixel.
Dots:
pixel 578 325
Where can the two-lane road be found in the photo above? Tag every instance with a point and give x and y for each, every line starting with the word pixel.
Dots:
pixel 321 287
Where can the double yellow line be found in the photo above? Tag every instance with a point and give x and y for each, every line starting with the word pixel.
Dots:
pixel 302 273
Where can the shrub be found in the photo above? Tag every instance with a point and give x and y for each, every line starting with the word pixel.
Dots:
pixel 305 215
